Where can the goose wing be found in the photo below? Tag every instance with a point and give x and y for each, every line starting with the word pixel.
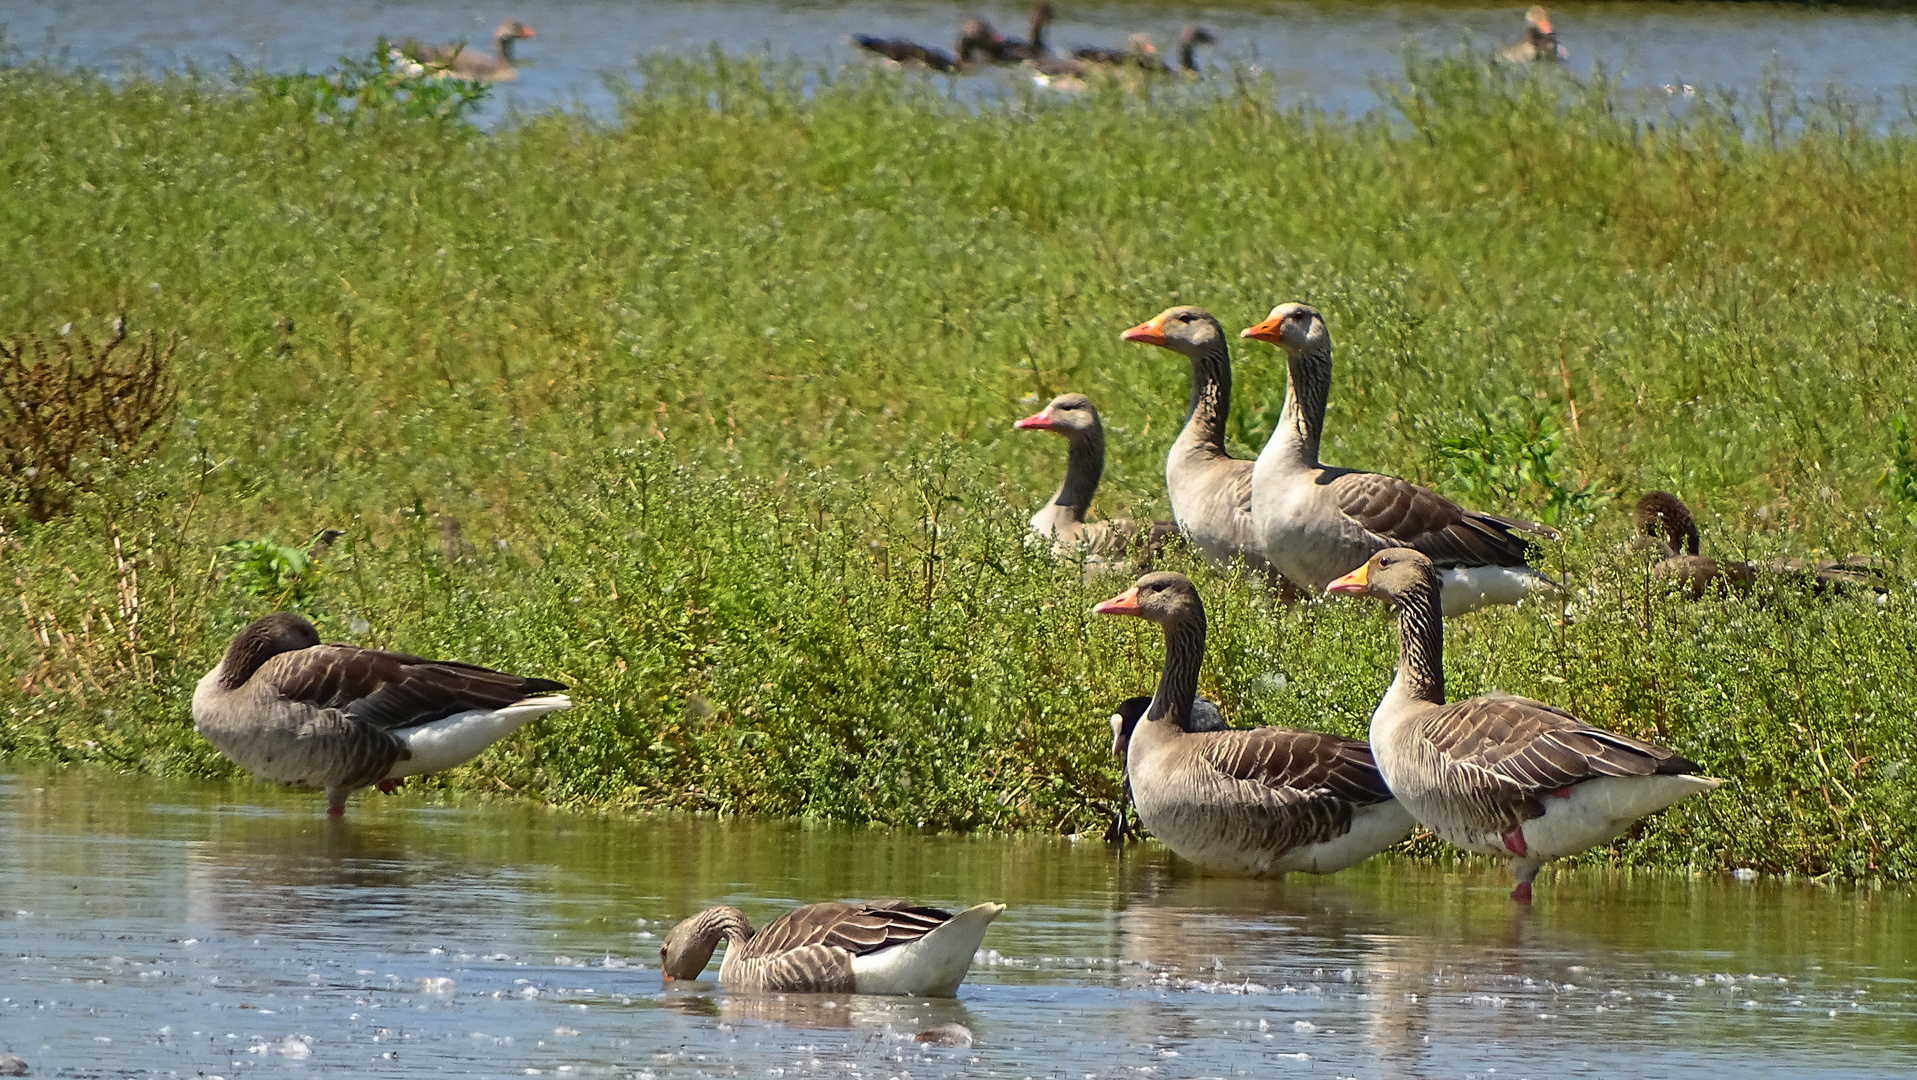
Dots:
pixel 1509 751
pixel 1306 762
pixel 856 928
pixel 392 691
pixel 1398 513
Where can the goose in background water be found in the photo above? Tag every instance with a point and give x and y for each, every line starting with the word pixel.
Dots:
pixel 290 710
pixel 1258 802
pixel 1540 42
pixel 884 948
pixel 1316 521
pixel 470 63
pixel 1500 775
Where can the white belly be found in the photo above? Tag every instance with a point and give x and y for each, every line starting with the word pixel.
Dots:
pixel 932 966
pixel 1470 588
pixel 461 737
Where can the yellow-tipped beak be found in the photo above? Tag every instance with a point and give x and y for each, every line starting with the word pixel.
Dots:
pixel 1352 584
pixel 1147 333
pixel 1264 331
pixel 1125 603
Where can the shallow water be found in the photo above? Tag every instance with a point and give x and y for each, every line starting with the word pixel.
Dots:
pixel 1327 53
pixel 158 928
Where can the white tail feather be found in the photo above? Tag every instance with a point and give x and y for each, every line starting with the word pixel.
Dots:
pixel 461 737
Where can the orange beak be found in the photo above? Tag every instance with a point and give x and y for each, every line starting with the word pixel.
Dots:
pixel 1147 333
pixel 1264 331
pixel 527 31
pixel 1352 584
pixel 1125 603
pixel 1544 26
pixel 1039 421
pixel 663 977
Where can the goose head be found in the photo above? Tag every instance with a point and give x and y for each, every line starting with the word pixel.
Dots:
pixel 1293 327
pixel 512 30
pixel 1196 35
pixel 1662 517
pixel 263 639
pixel 1166 598
pixel 1185 329
pixel 688 947
pixel 1071 415
pixel 1401 577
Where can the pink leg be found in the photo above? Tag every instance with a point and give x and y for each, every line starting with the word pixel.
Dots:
pixel 1522 894
pixel 336 810
pixel 387 787
pixel 1514 841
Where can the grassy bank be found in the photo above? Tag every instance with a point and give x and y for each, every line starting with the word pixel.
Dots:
pixel 719 397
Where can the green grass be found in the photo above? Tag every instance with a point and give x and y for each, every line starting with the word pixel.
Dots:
pixel 721 392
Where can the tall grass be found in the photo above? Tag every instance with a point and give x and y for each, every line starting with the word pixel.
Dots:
pixel 705 411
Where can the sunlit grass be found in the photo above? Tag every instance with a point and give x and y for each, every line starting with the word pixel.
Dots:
pixel 720 396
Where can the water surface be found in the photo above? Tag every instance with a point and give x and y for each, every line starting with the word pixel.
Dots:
pixel 1329 53
pixel 159 928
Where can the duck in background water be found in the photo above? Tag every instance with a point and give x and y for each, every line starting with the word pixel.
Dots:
pixel 469 63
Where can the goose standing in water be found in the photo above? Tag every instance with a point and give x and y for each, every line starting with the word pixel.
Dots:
pixel 1252 801
pixel 1500 775
pixel 886 948
pixel 1210 490
pixel 290 710
pixel 1540 41
pixel 1062 519
pixel 901 51
pixel 470 63
pixel 1316 521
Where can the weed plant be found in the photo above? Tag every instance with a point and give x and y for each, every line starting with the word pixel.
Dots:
pixel 705 411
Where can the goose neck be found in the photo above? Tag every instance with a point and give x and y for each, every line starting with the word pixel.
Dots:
pixel 1178 682
pixel 1210 399
pixel 1421 645
pixel 1084 466
pixel 1301 424
pixel 1188 56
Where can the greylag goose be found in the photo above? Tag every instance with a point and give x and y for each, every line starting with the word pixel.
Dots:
pixel 1204 717
pixel 1667 531
pixel 1003 50
pixel 1316 521
pixel 470 63
pixel 1210 490
pixel 900 51
pixel 885 948
pixel 1062 519
pixel 1252 801
pixel 1500 775
pixel 1141 53
pixel 1540 41
pixel 290 710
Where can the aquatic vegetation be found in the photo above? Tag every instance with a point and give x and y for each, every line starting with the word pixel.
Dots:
pixel 717 400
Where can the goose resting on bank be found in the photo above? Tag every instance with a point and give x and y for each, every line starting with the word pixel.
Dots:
pixel 290 710
pixel 1252 801
pixel 885 948
pixel 1667 531
pixel 1316 521
pixel 1210 490
pixel 1062 519
pixel 470 63
pixel 1540 42
pixel 1500 775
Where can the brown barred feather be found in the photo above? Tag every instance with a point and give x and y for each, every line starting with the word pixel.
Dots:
pixel 1402 514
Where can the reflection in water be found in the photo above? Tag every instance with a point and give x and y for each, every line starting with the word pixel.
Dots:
pixel 178 927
